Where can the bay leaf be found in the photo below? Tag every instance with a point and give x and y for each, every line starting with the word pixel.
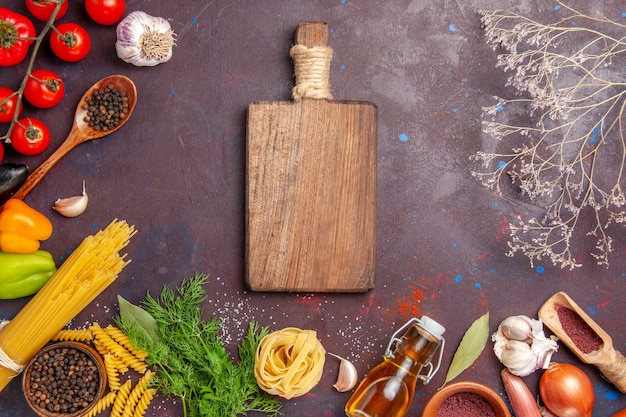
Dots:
pixel 140 317
pixel 470 348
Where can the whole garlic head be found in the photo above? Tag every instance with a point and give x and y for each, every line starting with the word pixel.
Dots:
pixel 521 345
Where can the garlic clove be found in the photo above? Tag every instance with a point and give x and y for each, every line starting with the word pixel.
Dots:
pixel 518 357
pixel 347 376
pixel 72 206
pixel 517 327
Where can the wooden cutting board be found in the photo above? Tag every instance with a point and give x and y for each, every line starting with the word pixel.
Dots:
pixel 311 182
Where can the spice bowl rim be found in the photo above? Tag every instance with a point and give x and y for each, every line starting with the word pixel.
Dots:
pixel 493 398
pixel 87 349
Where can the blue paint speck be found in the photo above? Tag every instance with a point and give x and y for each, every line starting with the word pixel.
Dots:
pixel 592 310
pixel 477 285
pixel 342 68
pixel 501 164
pixel 496 204
pixel 557 7
pixel 454 245
pixel 612 395
pixel 343 1
pixel 500 108
pixel 595 133
pixel 458 278
pixel 623 14
pixel 193 21
pixel 493 271
pixel 540 269
pixel 452 27
pixel 403 137
pixel 454 110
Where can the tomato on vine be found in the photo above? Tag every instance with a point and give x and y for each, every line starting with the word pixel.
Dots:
pixel 70 42
pixel 30 136
pixel 17 32
pixel 43 9
pixel 8 102
pixel 105 12
pixel 44 89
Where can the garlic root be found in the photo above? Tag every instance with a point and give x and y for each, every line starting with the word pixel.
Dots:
pixel 72 206
pixel 347 376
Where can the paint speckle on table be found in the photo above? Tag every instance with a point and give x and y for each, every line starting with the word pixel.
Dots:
pixel 403 137
pixel 458 278
pixel 612 395
pixel 409 305
pixel 591 310
pixel 477 285
pixel 193 21
pixel 452 27
pixel 540 270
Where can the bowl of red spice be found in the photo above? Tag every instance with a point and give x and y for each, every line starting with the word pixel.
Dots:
pixel 64 379
pixel 466 399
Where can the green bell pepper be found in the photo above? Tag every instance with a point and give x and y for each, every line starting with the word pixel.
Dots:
pixel 23 274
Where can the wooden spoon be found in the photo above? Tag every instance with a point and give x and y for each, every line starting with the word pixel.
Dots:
pixel 81 131
pixel 610 362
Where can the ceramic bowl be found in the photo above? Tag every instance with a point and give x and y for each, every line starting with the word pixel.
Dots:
pixel 82 347
pixel 497 403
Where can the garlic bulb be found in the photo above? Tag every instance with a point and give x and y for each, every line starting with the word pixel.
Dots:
pixel 521 345
pixel 144 40
pixel 72 206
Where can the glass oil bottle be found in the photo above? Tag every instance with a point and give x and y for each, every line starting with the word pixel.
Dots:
pixel 388 389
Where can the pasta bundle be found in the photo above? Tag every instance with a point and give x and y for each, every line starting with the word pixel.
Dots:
pixel 89 269
pixel 289 362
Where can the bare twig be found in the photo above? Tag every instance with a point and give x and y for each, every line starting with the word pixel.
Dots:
pixel 571 157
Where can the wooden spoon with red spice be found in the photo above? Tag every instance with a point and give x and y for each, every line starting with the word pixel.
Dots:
pixel 584 337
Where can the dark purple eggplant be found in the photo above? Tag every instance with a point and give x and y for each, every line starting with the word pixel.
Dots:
pixel 12 177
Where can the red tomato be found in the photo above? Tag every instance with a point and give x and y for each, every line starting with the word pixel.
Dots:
pixel 44 89
pixel 70 42
pixel 30 136
pixel 7 105
pixel 16 34
pixel 42 9
pixel 105 12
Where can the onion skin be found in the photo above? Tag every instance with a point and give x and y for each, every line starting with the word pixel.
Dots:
pixel 566 391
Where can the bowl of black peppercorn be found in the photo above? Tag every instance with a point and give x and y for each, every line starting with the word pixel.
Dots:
pixel 64 379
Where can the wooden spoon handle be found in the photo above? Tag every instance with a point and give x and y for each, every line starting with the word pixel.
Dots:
pixel 613 368
pixel 36 176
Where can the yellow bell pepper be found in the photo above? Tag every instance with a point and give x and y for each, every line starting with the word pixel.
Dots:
pixel 22 227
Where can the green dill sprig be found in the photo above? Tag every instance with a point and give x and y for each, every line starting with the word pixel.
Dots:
pixel 189 356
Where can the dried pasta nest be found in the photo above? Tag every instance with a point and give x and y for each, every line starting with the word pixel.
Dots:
pixel 289 362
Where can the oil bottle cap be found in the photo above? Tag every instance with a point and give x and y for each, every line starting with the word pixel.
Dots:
pixel 432 326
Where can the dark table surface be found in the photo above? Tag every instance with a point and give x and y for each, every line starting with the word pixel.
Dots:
pixel 177 172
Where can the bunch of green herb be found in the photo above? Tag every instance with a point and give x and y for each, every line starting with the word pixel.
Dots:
pixel 189 357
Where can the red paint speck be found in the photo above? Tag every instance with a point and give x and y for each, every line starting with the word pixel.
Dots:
pixel 408 306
